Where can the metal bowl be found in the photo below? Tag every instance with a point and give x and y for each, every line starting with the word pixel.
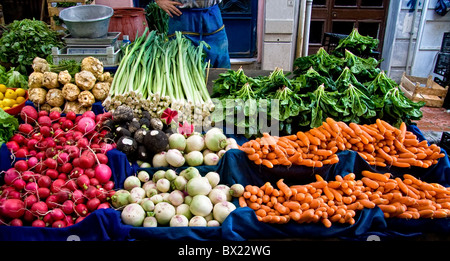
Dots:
pixel 87 21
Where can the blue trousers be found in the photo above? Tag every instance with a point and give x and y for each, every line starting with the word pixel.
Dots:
pixel 204 24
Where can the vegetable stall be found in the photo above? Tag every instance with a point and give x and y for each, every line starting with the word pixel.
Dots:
pixel 164 147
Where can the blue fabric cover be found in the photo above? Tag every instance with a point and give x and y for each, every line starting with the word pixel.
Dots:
pixel 203 24
pixel 234 167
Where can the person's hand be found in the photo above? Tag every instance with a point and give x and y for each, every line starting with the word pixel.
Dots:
pixel 170 7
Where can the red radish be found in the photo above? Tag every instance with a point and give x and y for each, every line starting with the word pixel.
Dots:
pixel 62 158
pixel 63 195
pixel 51 163
pixel 12 208
pixel 94 182
pixel 45 131
pixel 57 184
pixel 26 128
pixel 13 146
pixel 86 162
pixel 92 204
pixel 19 184
pixel 71 185
pixel 43 192
pixel 50 152
pixel 82 143
pixel 89 114
pixel 76 172
pixel 29 176
pixel 28 216
pixel 7 191
pixel 59 224
pixel 76 162
pixel 16 222
pixel 79 219
pixel 81 210
pixel 38 223
pixel 103 205
pixel 31 186
pixel 105 147
pixel 60 141
pixel 102 158
pixel 32 161
pixel 109 185
pixel 67 125
pixel 71 115
pixel 57 133
pixel 30 200
pixel 37 136
pixel 103 173
pixel 90 173
pixel 54 115
pixel 68 207
pixel 78 196
pixel 52 173
pixel 52 202
pixel 86 125
pixel 19 138
pixel 48 220
pixel 28 114
pixel 57 214
pixel 66 168
pixel 83 181
pixel 40 167
pixel 69 220
pixel 21 165
pixel 90 192
pixel 56 126
pixel 14 194
pixel 73 151
pixel 44 181
pixel 32 153
pixel 49 142
pixel 44 121
pixel 32 144
pixel 40 155
pixel 39 208
pixel 43 113
pixel 22 153
pixel 10 176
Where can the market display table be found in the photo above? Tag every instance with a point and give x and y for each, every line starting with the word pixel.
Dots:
pixel 242 224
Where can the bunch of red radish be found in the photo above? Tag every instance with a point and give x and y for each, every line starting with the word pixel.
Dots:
pixel 61 171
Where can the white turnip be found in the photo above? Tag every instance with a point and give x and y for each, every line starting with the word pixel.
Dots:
pixel 201 205
pixel 164 212
pixel 177 141
pixel 211 159
pixel 222 210
pixel 159 160
pixel 120 198
pixel 197 221
pixel 133 214
pixel 179 221
pixel 215 140
pixel 174 158
pixel 213 178
pixel 158 175
pixel 226 190
pixel 143 176
pixel 136 195
pixel 216 196
pixel 236 190
pixel 195 142
pixel 147 204
pixel 180 183
pixel 183 209
pixel 198 186
pixel 163 185
pixel 170 174
pixel 194 158
pixel 131 182
pixel 190 172
pixel 176 198
pixel 150 222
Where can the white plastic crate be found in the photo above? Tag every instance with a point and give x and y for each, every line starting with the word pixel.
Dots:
pixel 109 59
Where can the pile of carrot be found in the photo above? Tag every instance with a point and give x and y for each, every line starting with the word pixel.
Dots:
pixel 379 144
pixel 338 200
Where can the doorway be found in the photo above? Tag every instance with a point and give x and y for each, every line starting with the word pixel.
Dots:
pixel 341 16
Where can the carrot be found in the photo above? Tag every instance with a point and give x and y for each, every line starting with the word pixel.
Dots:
pixel 249 151
pixel 301 136
pixel 312 139
pixel 281 209
pixel 380 126
pixel 388 208
pixel 333 124
pixel 370 183
pixel 292 205
pixel 306 216
pixel 267 163
pixel 317 133
pixel 375 176
pixel 285 188
pixel 295 215
pixel 242 202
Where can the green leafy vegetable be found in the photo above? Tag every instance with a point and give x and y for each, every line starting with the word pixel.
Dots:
pixel 357 43
pixel 23 40
pixel 8 125
pixel 13 78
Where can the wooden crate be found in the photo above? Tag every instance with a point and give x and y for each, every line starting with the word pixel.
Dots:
pixel 423 89
pixel 53 10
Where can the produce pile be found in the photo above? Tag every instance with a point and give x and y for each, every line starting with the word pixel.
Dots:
pixel 379 144
pixel 23 40
pixel 10 98
pixel 348 89
pixel 338 200
pixel 61 171
pixel 53 89
pixel 156 73
pixel 175 200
